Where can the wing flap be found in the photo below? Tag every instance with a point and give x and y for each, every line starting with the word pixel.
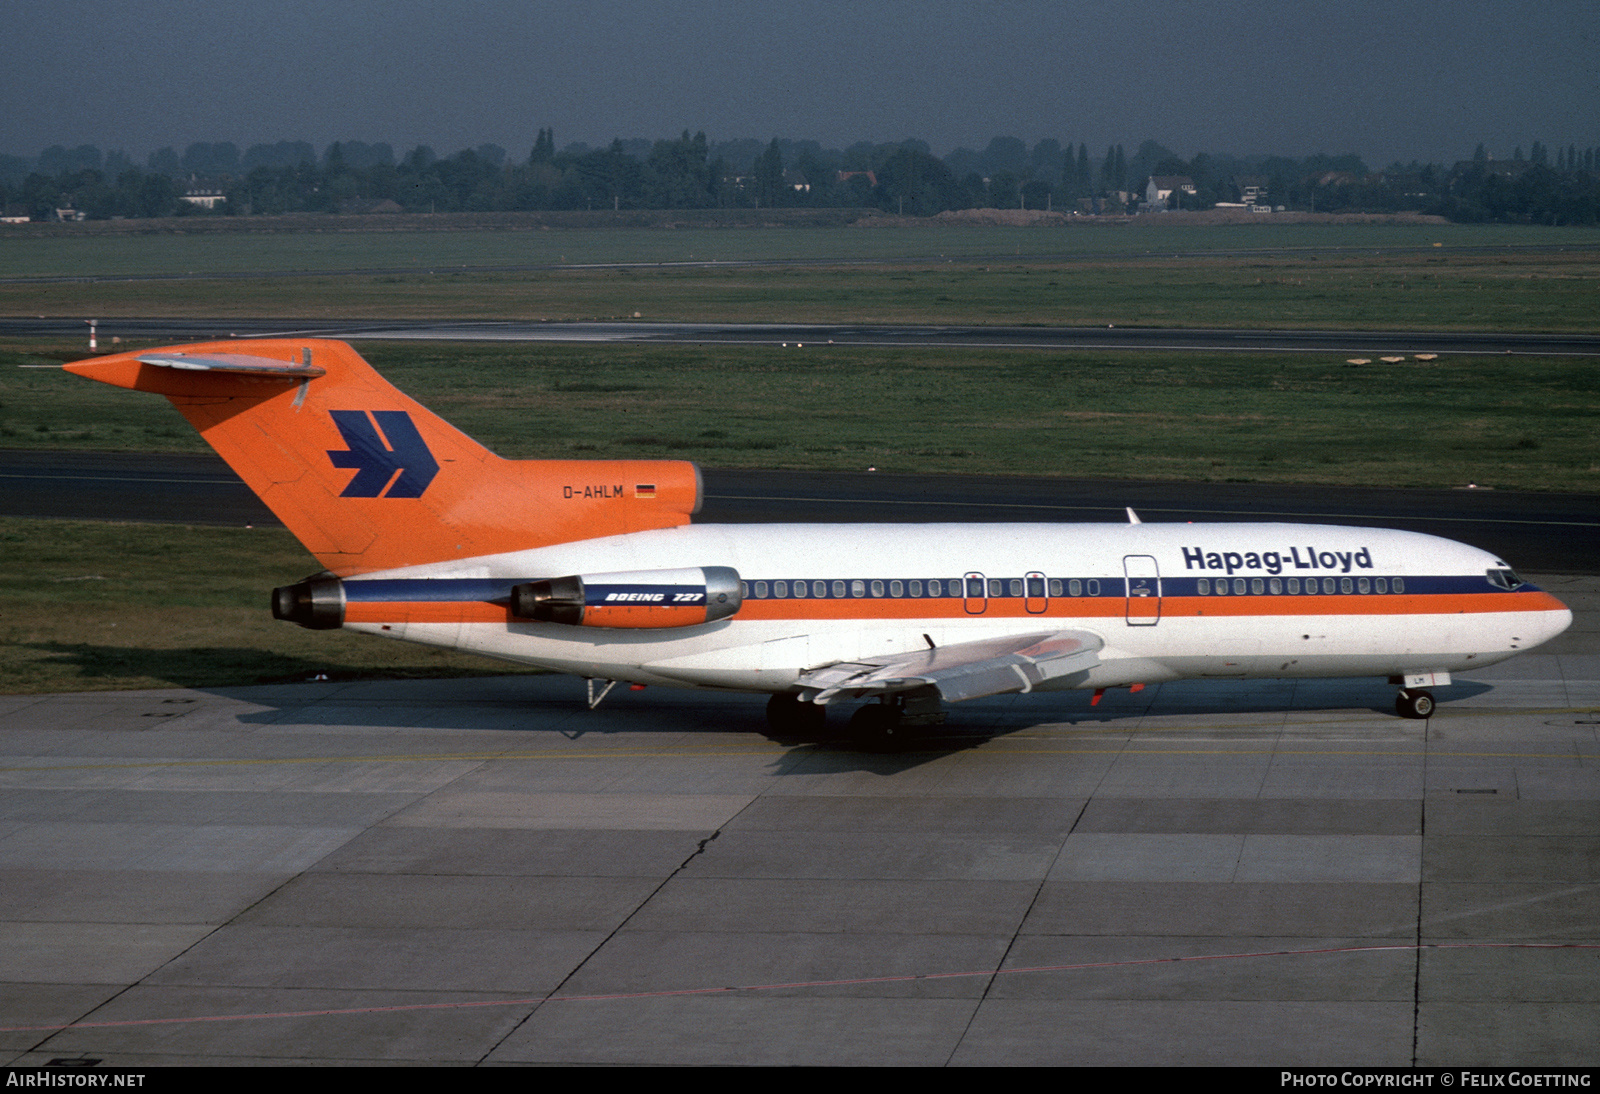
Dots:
pixel 967 670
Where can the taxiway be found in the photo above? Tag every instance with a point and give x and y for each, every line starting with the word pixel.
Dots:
pixel 485 872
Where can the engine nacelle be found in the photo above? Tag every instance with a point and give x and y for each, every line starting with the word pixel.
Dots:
pixel 640 599
pixel 317 603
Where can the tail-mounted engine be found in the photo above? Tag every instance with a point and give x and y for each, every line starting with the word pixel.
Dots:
pixel 317 603
pixel 641 599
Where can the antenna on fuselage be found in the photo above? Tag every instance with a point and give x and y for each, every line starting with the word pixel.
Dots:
pixel 1133 518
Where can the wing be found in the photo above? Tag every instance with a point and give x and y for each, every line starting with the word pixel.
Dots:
pixel 967 670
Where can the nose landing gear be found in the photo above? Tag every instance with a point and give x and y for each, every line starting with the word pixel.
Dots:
pixel 1414 703
pixel 1415 700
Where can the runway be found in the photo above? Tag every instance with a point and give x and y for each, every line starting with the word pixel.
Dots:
pixel 485 872
pixel 1370 343
pixel 1550 532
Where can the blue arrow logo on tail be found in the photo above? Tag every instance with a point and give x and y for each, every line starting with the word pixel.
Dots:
pixel 375 462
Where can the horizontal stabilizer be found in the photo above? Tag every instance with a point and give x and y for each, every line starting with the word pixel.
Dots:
pixel 231 362
pixel 968 670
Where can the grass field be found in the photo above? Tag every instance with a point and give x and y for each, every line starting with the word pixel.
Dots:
pixel 79 251
pixel 1323 276
pixel 99 606
pixel 1511 422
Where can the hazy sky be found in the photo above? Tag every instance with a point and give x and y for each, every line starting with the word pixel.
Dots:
pixel 1389 80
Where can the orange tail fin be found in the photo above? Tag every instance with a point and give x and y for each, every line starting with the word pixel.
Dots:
pixel 369 479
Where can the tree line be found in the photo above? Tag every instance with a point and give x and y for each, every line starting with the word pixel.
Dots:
pixel 690 172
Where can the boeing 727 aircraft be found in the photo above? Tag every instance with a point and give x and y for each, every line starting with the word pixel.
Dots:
pixel 594 568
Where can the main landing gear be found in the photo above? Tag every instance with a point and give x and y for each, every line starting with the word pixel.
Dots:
pixel 787 716
pixel 893 721
pixel 1414 703
pixel 879 725
pixel 876 725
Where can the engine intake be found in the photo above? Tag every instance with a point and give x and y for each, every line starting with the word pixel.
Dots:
pixel 636 600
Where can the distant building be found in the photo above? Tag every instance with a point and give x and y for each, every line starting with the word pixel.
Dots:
pixel 1159 190
pixel 1252 190
pixel 204 198
pixel 15 214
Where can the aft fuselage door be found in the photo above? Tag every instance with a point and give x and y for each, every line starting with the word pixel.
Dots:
pixel 977 593
pixel 1144 590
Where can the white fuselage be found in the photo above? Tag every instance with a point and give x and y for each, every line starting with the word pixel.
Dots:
pixel 1294 601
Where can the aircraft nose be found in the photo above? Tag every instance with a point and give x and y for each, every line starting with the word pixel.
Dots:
pixel 1549 621
pixel 1557 622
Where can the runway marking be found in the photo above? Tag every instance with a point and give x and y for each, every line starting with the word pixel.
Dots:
pixel 1539 898
pixel 535 1001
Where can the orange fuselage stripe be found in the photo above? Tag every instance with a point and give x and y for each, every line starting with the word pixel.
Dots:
pixel 1065 609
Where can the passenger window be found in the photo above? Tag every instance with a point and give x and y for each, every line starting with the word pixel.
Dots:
pixel 1015 585
pixel 1398 584
pixel 1294 586
pixel 800 588
pixel 780 589
pixel 859 587
pixel 1075 587
pixel 895 588
pixel 1275 586
pixel 761 590
pixel 1346 585
pixel 995 587
pixel 1203 586
pixel 1327 585
pixel 1055 586
pixel 1383 585
pixel 1363 585
pixel 1238 586
pixel 916 588
pixel 1036 586
pixel 1094 586
pixel 1257 586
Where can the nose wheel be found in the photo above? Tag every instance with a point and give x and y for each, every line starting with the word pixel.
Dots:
pixel 1414 703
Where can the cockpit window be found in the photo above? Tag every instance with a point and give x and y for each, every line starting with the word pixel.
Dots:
pixel 1503 579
